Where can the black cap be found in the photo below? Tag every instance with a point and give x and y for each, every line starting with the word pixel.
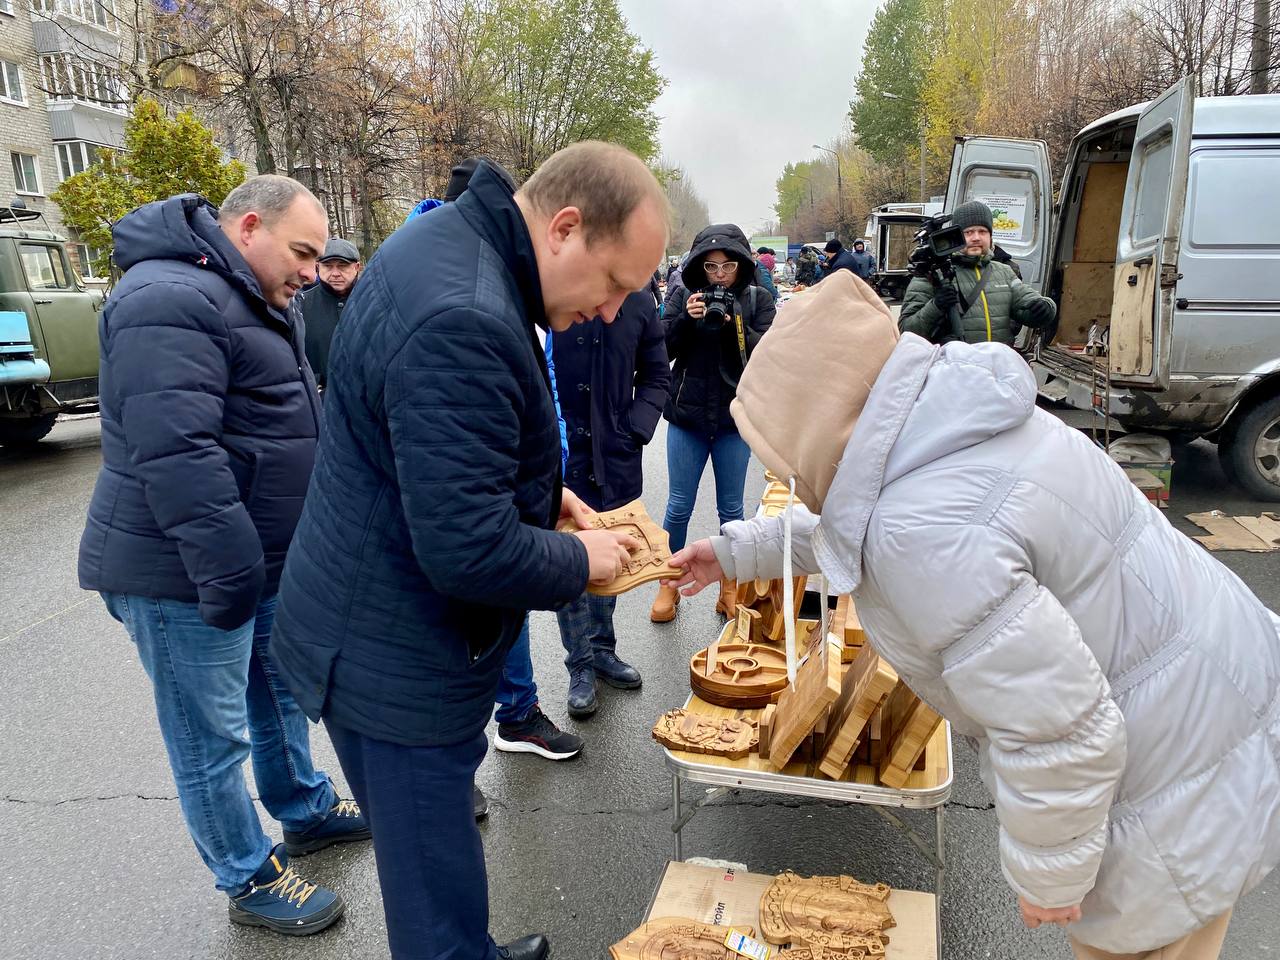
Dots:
pixel 339 249
pixel 461 175
pixel 833 246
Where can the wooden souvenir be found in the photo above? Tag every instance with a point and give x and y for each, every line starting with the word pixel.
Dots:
pixel 854 636
pixel 872 949
pixel 866 684
pixel 738 675
pixel 766 727
pixel 648 563
pixel 835 913
pixel 695 733
pixel 911 734
pixel 674 938
pixel 817 686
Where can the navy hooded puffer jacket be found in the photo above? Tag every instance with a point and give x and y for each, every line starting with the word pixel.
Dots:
pixel 209 421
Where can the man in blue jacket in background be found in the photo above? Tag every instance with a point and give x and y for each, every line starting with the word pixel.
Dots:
pixel 209 424
pixel 428 530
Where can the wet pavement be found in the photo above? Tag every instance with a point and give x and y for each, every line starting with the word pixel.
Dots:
pixel 95 861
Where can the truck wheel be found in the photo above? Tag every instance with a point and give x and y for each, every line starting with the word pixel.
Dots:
pixel 15 432
pixel 1250 453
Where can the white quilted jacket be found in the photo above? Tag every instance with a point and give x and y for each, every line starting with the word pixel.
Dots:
pixel 1123 685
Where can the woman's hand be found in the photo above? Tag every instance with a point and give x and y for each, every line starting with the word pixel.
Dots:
pixel 701 568
pixel 694 306
pixel 1033 916
pixel 572 508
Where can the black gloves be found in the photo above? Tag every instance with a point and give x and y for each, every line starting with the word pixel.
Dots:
pixel 1039 313
pixel 945 297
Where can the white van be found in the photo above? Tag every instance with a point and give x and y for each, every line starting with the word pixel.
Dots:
pixel 1165 243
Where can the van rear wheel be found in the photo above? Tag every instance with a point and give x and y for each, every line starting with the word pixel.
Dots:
pixel 1250 452
pixel 25 431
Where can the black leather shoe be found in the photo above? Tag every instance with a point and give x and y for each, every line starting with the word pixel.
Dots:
pixel 615 671
pixel 536 947
pixel 479 805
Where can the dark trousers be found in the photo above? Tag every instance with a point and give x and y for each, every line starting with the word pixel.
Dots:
pixel 435 893
pixel 586 625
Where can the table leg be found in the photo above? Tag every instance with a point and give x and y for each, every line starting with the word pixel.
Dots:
pixel 941 840
pixel 676 825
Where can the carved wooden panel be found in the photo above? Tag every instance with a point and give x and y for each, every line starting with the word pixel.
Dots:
pixel 673 938
pixel 738 675
pixel 834 913
pixel 648 563
pixel 799 708
pixel 695 733
pixel 911 734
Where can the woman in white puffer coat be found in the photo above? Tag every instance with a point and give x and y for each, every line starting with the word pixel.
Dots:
pixel 1123 685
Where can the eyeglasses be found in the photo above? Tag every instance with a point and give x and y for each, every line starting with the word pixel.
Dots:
pixel 729 268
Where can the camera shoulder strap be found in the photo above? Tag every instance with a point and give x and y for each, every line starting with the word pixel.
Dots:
pixel 741 329
pixel 974 294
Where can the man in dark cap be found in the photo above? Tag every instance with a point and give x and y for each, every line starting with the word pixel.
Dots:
pixel 322 304
pixel 838 258
pixel 993 302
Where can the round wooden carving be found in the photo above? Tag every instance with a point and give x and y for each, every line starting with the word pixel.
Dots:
pixel 837 913
pixel 743 675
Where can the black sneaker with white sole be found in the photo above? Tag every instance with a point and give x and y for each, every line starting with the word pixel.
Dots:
pixel 537 734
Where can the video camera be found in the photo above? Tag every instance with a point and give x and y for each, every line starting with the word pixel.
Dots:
pixel 936 242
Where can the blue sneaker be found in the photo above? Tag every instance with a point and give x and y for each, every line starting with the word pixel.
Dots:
pixel 344 823
pixel 280 900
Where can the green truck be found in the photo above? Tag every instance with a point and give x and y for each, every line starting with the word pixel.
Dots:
pixel 48 330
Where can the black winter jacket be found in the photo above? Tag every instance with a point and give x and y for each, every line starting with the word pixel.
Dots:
pixel 321 310
pixel 426 535
pixel 709 362
pixel 613 379
pixel 843 260
pixel 209 421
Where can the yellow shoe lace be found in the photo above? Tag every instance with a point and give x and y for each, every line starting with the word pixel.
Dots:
pixel 290 887
pixel 347 808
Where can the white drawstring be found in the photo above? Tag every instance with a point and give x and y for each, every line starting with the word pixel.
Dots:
pixel 788 588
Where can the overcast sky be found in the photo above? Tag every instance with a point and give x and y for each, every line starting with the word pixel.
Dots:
pixel 752 84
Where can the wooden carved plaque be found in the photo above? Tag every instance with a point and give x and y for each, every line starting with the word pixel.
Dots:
pixel 835 913
pixel 873 948
pixel 696 733
pixel 648 563
pixel 673 938
pixel 738 675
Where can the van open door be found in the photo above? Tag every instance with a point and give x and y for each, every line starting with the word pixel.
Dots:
pixel 1012 177
pixel 1147 252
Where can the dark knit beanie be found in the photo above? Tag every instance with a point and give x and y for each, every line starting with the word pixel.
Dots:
pixel 833 246
pixel 975 213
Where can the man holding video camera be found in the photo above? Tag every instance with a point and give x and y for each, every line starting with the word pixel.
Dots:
pixel 993 303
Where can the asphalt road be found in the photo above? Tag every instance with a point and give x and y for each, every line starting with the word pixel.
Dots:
pixel 95 861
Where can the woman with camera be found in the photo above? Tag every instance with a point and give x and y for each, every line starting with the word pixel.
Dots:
pixel 713 323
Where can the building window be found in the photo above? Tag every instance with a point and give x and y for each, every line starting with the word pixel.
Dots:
pixel 26 173
pixel 45 267
pixel 101 13
pixel 88 257
pixel 46 7
pixel 70 77
pixel 11 81
pixel 75 156
pixel 6 6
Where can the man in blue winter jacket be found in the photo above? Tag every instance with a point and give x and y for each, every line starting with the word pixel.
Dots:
pixel 428 530
pixel 209 425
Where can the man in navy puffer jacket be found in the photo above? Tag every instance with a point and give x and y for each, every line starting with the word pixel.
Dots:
pixel 209 424
pixel 427 532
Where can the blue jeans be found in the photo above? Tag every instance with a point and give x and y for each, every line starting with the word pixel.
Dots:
pixel 210 685
pixel 435 892
pixel 586 625
pixel 517 693
pixel 687 454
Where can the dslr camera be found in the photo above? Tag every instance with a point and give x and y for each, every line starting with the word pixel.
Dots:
pixel 719 303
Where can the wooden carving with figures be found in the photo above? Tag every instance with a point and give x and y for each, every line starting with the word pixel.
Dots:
pixel 835 913
pixel 696 733
pixel 674 938
pixel 647 563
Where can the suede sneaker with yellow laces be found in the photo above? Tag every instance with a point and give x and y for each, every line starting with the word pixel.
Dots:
pixel 279 899
pixel 343 823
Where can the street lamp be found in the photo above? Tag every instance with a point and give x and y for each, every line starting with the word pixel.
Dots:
pixel 911 100
pixel 839 187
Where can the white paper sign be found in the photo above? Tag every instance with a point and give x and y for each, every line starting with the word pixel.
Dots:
pixel 1008 216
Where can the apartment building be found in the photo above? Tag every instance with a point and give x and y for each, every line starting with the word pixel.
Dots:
pixel 61 98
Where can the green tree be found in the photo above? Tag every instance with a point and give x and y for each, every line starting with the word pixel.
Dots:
pixel 895 59
pixel 162 156
pixel 569 70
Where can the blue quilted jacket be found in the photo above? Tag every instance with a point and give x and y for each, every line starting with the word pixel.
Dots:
pixel 426 534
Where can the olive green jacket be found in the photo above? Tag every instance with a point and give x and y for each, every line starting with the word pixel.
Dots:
pixel 999 310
